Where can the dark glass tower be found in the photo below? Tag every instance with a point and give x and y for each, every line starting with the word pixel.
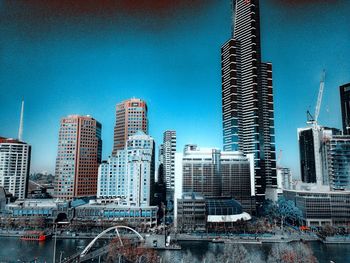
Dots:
pixel 345 107
pixel 307 155
pixel 247 96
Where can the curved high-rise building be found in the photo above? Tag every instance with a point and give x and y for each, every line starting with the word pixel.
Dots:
pixel 247 96
pixel 131 116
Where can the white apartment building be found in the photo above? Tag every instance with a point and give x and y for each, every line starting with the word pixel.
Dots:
pixel 14 166
pixel 130 174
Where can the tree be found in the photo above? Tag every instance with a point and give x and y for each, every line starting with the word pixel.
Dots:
pixel 291 253
pixel 281 210
pixel 286 209
pixel 130 252
pixel 328 230
pixel 233 253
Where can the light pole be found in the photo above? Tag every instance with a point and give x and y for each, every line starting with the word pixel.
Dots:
pixel 55 240
pixel 54 243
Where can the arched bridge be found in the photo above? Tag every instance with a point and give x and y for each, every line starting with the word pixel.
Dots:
pixel 84 255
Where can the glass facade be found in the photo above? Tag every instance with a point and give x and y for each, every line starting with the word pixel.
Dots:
pixel 339 162
pixel 247 96
pixel 345 107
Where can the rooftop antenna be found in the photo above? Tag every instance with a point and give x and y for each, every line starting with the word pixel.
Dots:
pixel 20 130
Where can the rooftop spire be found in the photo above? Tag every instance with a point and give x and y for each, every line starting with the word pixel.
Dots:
pixel 20 130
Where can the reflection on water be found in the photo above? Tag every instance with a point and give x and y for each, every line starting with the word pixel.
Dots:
pixel 13 249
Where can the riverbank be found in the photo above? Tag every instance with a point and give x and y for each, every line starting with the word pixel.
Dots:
pixel 214 238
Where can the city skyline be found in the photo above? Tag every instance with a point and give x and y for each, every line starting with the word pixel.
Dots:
pixel 162 114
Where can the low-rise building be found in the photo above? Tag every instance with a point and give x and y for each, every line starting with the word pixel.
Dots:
pixel 197 213
pixel 191 214
pixel 114 211
pixel 322 207
pixel 48 208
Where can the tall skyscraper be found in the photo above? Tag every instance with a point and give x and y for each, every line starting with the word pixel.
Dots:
pixel 169 150
pixel 14 166
pixel 131 116
pixel 78 157
pixel 130 174
pixel 345 107
pixel 247 96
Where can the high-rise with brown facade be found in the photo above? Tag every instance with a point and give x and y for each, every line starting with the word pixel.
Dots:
pixel 78 157
pixel 131 116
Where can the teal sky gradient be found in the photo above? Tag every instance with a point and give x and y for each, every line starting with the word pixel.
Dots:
pixel 84 61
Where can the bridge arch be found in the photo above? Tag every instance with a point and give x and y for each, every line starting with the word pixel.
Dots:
pixel 89 246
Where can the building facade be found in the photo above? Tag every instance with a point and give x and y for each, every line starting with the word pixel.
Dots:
pixel 201 171
pixel 133 216
pixel 213 173
pixel 313 154
pixel 307 155
pixel 169 150
pixel 320 208
pixel 191 213
pixel 14 166
pixel 112 177
pixel 284 178
pixel 129 175
pixel 141 169
pixel 247 96
pixel 338 156
pixel 131 116
pixel 78 157
pixel 345 107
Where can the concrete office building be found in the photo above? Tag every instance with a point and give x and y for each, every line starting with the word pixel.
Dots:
pixel 214 173
pixel 320 208
pixel 247 97
pixel 78 157
pixel 191 212
pixel 345 107
pixel 131 116
pixel 14 166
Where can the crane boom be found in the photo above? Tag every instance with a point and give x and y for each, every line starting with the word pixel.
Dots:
pixel 320 95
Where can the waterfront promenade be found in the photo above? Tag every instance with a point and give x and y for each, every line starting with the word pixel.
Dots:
pixel 280 237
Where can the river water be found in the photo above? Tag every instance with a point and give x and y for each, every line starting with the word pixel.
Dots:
pixel 15 250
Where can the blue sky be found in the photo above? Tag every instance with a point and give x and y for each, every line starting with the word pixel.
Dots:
pixel 84 59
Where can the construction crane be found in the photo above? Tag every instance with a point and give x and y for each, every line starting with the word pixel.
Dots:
pixel 316 132
pixel 314 119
